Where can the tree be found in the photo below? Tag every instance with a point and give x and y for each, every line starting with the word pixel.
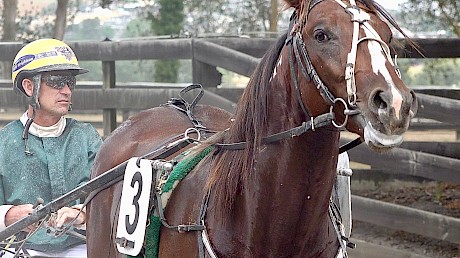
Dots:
pixel 444 12
pixel 168 21
pixel 431 18
pixel 61 19
pixel 196 17
pixel 273 16
pixel 9 29
pixel 9 19
pixel 32 24
pixel 231 16
pixel 89 29
pixel 436 72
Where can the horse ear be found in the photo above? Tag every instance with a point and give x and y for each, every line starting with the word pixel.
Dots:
pixel 292 3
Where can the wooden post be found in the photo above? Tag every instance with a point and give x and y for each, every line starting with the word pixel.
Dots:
pixel 109 116
pixel 203 73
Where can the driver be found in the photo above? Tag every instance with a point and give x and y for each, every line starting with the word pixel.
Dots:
pixel 43 154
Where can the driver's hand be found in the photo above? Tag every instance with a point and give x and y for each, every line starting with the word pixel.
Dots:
pixel 19 212
pixel 66 215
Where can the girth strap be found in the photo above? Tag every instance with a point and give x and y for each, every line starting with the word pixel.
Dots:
pixel 179 228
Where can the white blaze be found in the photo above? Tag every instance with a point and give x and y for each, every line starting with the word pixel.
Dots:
pixel 378 60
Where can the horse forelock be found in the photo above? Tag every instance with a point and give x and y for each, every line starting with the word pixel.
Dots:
pixel 232 168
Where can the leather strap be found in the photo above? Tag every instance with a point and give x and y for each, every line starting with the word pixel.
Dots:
pixel 350 145
pixel 312 124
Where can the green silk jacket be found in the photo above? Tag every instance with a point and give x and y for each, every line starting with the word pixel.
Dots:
pixel 57 165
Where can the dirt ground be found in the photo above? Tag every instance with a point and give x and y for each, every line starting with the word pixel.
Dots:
pixel 437 197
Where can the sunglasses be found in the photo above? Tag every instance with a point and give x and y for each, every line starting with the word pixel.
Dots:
pixel 59 81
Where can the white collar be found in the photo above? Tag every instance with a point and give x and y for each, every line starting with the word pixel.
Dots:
pixel 45 131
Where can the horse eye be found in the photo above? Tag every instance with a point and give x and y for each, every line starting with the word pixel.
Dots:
pixel 321 36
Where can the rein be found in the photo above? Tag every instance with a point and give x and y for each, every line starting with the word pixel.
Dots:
pixel 312 124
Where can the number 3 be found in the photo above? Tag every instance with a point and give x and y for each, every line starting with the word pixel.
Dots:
pixel 137 178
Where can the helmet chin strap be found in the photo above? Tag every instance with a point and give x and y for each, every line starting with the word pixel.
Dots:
pixel 25 133
pixel 33 102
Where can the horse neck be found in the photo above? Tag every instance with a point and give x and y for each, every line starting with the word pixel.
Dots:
pixel 292 182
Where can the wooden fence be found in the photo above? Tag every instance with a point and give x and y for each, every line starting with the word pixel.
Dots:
pixel 431 160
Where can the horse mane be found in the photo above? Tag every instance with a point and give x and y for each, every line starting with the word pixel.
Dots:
pixel 231 168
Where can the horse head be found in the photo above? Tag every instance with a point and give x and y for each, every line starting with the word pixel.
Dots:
pixel 342 47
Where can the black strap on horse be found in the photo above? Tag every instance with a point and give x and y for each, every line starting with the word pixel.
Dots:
pixel 180 228
pixel 312 124
pixel 188 108
pixel 297 46
pixel 350 145
pixel 166 149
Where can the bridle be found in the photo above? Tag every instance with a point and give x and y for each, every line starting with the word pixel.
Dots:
pixel 297 47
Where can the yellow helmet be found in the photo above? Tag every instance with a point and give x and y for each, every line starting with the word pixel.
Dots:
pixel 43 55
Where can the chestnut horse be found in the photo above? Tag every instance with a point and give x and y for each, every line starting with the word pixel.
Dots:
pixel 270 173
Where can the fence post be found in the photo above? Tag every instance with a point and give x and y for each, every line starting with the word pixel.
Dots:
pixel 109 116
pixel 204 74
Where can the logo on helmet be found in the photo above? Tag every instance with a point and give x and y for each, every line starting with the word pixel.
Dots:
pixel 66 52
pixel 46 54
pixel 23 61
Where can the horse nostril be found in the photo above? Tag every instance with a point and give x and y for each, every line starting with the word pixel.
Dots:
pixel 378 100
